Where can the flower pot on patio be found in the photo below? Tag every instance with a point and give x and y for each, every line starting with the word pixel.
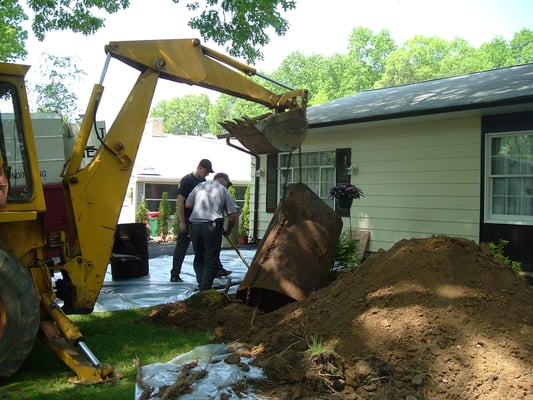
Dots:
pixel 242 239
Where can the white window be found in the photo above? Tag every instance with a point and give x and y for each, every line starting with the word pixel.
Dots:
pixel 318 172
pixel 509 178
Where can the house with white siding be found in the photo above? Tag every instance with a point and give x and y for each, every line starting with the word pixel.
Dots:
pixel 450 156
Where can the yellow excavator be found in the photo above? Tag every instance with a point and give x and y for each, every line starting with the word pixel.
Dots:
pixel 32 297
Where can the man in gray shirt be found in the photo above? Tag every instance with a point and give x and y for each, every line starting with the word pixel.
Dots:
pixel 210 202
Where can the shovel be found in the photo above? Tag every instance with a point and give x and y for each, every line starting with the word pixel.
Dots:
pixel 237 250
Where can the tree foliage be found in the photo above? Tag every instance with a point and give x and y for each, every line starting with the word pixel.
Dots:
pixel 13 36
pixel 244 24
pixel 242 27
pixel 53 89
pixel 366 59
pixel 185 115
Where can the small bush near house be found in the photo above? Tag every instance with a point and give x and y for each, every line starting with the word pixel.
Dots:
pixel 346 254
pixel 141 215
pixel 164 217
pixel 497 250
pixel 245 214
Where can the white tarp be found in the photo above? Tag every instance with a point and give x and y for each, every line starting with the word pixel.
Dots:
pixel 220 378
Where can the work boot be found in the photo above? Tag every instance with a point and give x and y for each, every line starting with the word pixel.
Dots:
pixel 222 273
pixel 175 278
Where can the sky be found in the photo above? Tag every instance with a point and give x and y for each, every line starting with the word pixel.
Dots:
pixel 316 27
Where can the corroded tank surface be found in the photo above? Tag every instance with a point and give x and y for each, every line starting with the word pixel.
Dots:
pixel 296 253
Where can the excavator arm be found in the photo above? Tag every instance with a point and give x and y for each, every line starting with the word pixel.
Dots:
pixel 187 61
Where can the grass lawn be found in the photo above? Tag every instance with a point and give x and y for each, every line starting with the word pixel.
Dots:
pixel 116 338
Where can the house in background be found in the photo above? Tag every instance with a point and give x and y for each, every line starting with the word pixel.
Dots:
pixel 163 159
pixel 451 156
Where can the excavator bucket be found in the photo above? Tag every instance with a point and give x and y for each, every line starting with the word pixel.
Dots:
pixel 270 133
pixel 296 253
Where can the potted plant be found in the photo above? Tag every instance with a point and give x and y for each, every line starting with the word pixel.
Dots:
pixel 242 238
pixel 345 193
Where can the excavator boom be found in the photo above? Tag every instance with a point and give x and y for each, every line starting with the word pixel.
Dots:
pixel 187 61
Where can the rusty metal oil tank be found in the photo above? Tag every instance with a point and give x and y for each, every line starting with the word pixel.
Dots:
pixel 296 253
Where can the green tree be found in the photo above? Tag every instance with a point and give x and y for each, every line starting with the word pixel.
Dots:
pixel 185 115
pixel 522 47
pixel 496 53
pixel 311 72
pixel 56 75
pixel 242 27
pixel 423 58
pixel 367 55
pixel 12 34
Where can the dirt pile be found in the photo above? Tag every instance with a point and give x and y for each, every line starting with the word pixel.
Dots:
pixel 435 318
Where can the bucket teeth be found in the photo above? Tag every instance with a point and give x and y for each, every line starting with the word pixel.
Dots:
pixel 269 133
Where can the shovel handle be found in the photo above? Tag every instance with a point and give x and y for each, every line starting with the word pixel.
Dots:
pixel 237 250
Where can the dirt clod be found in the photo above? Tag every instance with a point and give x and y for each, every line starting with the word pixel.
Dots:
pixel 436 318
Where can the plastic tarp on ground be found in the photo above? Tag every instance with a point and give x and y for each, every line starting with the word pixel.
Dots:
pixel 218 382
pixel 156 288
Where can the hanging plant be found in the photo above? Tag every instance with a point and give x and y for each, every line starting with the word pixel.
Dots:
pixel 345 191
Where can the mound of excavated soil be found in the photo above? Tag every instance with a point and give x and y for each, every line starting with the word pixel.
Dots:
pixel 436 318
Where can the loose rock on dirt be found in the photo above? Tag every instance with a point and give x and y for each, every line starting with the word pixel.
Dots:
pixel 436 318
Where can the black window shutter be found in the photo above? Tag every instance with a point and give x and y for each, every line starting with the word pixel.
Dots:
pixel 272 182
pixel 343 160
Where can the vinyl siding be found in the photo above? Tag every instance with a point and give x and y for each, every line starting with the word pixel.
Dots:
pixel 420 178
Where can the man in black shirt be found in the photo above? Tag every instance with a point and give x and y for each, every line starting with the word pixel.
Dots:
pixel 187 184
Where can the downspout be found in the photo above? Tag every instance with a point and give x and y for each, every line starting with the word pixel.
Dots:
pixel 256 183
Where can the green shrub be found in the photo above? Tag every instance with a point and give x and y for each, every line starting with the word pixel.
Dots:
pixel 164 217
pixel 346 254
pixel 141 214
pixel 245 213
pixel 497 251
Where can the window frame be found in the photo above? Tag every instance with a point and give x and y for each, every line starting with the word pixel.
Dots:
pixel 489 179
pixel 275 179
pixel 17 167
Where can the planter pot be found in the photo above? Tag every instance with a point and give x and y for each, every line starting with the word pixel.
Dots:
pixel 345 203
pixel 242 239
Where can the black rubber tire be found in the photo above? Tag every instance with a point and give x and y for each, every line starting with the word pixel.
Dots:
pixel 19 314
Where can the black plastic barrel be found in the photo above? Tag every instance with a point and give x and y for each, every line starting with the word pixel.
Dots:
pixel 130 251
